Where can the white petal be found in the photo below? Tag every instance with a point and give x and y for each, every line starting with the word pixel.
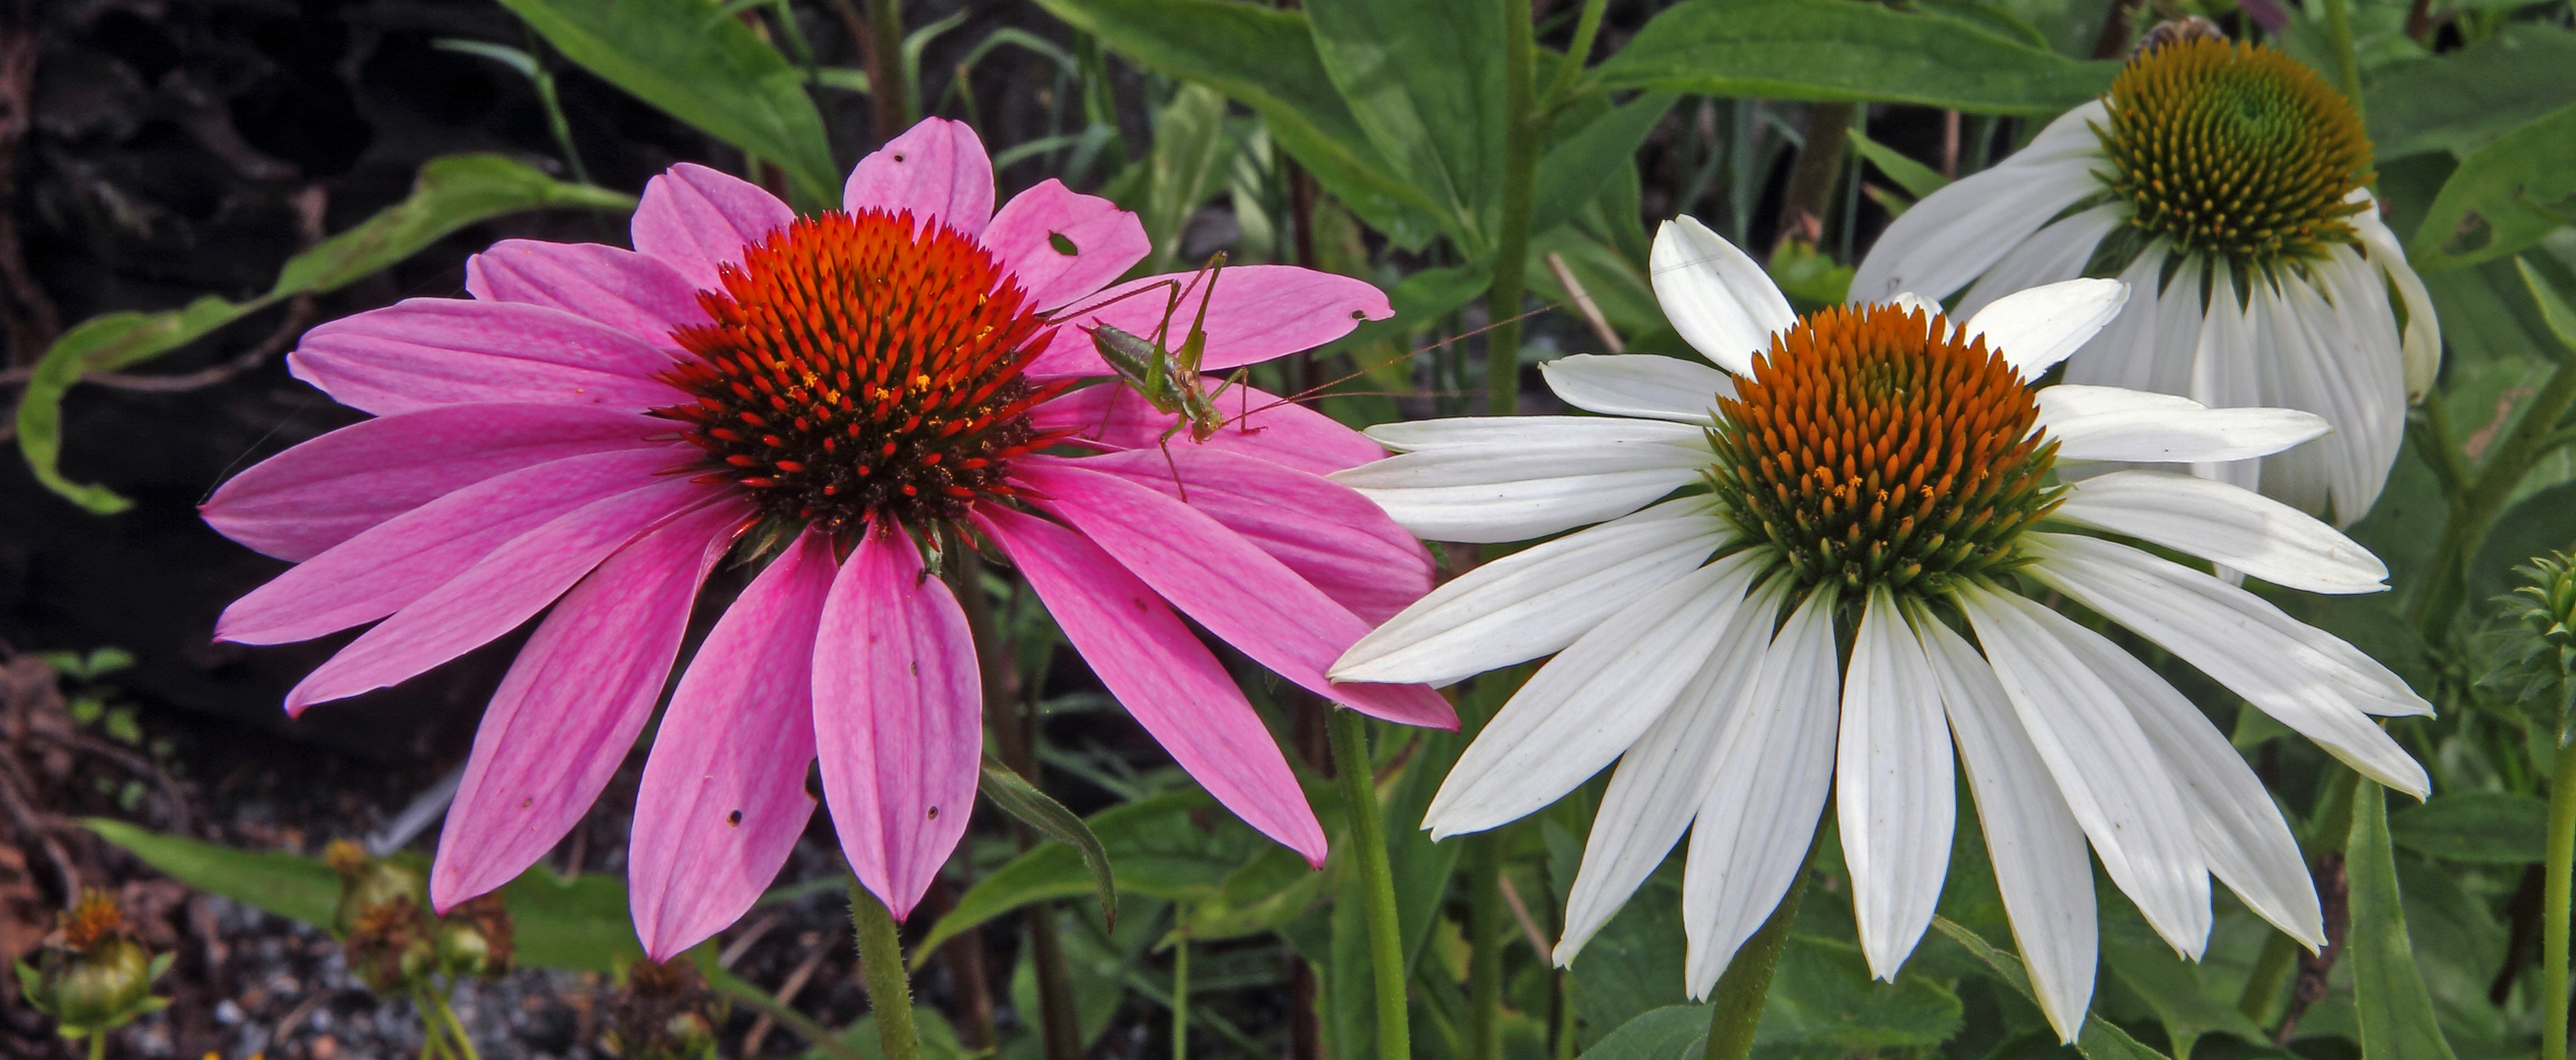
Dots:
pixel 1663 778
pixel 2032 838
pixel 2124 354
pixel 2423 333
pixel 1914 303
pixel 1663 388
pixel 1502 492
pixel 2220 523
pixel 2305 477
pixel 2241 831
pixel 1774 766
pixel 2111 776
pixel 1946 240
pixel 1505 435
pixel 2036 328
pixel 2104 423
pixel 2057 252
pixel 1535 601
pixel 2347 369
pixel 2223 373
pixel 2304 677
pixel 1720 300
pixel 1892 786
pixel 1587 705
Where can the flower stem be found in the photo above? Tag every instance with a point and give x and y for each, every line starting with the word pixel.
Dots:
pixel 1485 928
pixel 1737 1007
pixel 2347 61
pixel 1520 186
pixel 881 965
pixel 455 1027
pixel 889 76
pixel 1181 993
pixel 1377 880
pixel 2271 971
pixel 2554 904
pixel 2474 510
pixel 98 1045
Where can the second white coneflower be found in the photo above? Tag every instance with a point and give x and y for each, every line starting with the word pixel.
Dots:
pixel 1886 475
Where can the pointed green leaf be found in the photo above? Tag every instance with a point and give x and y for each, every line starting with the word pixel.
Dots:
pixel 720 77
pixel 1424 80
pixel 2554 309
pixel 1570 175
pixel 1023 800
pixel 2504 197
pixel 297 888
pixel 1673 1032
pixel 2461 99
pixel 2100 1039
pixel 2388 995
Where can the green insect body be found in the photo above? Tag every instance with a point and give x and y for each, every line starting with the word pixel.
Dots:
pixel 1168 378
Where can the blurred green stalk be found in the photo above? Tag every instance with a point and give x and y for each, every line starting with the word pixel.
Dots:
pixel 2554 904
pixel 1511 245
pixel 1377 880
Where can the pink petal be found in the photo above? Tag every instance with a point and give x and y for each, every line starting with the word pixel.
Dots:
pixel 723 798
pixel 383 570
pixel 427 352
pixel 1329 535
pixel 570 708
pixel 1259 425
pixel 1165 678
pixel 328 490
pixel 1234 589
pixel 1106 241
pixel 631 292
pixel 1260 312
pixel 936 169
pixel 694 219
pixel 898 717
pixel 516 581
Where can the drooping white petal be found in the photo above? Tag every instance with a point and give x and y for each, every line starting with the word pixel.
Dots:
pixel 2224 367
pixel 2106 423
pixel 2305 477
pixel 1511 492
pixel 2057 252
pixel 1664 777
pixel 2242 834
pixel 1774 766
pixel 1720 300
pixel 1590 703
pixel 2348 370
pixel 2124 354
pixel 2112 777
pixel 1636 384
pixel 2036 328
pixel 2031 837
pixel 1943 242
pixel 2310 681
pixel 2423 342
pixel 1892 786
pixel 2220 523
pixel 1505 435
pixel 1537 600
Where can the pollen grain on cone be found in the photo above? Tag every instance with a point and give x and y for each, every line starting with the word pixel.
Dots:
pixel 1877 446
pixel 862 364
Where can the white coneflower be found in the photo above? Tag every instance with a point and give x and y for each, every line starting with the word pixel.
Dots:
pixel 1888 476
pixel 2225 184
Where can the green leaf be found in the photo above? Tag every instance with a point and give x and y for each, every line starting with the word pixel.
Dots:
pixel 1673 1032
pixel 2389 999
pixel 2173 988
pixel 1190 147
pixel 1917 179
pixel 452 192
pixel 1422 81
pixel 2554 310
pixel 1157 843
pixel 2459 100
pixel 2099 1040
pixel 580 925
pixel 297 888
pixel 1850 51
pixel 1266 60
pixel 1570 173
pixel 721 78
pixel 2504 197
pixel 2482 826
pixel 1023 800
pixel 1823 995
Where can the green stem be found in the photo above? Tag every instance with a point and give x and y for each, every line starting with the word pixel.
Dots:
pixel 881 966
pixel 889 76
pixel 455 1027
pixel 1377 881
pixel 98 1045
pixel 2271 972
pixel 1737 1006
pixel 1486 919
pixel 1520 185
pixel 2474 511
pixel 2554 904
pixel 1587 27
pixel 432 1040
pixel 2347 61
pixel 1181 994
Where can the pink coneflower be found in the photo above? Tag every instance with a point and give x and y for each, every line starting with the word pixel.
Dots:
pixel 598 427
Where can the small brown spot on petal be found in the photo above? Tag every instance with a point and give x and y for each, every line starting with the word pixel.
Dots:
pixel 734 818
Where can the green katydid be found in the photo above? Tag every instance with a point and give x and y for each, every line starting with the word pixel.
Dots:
pixel 1168 378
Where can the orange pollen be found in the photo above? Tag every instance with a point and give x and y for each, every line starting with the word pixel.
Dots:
pixel 93 920
pixel 849 336
pixel 1876 446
